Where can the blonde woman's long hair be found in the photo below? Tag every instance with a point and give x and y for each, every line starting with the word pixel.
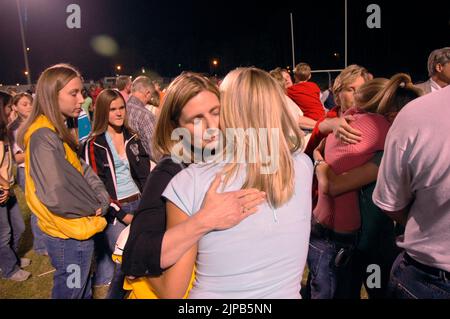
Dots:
pixel 253 99
pixel 49 84
pixel 364 96
pixel 180 91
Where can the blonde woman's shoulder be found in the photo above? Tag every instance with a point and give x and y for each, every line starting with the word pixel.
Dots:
pixel 301 159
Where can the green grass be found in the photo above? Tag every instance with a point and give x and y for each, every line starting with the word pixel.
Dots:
pixel 36 287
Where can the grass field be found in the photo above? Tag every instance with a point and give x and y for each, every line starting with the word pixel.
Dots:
pixel 38 286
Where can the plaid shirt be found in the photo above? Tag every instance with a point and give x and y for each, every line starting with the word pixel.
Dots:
pixel 142 121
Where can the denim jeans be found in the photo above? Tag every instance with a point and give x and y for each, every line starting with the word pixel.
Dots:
pixel 108 272
pixel 325 279
pixel 11 229
pixel 21 177
pixel 38 235
pixel 409 282
pixel 72 260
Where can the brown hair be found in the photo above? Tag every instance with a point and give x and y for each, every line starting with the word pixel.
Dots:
pixel 366 92
pixel 185 87
pixel 49 84
pixel 5 100
pixel 392 97
pixel 302 72
pixel 122 81
pixel 18 96
pixel 277 74
pixel 102 108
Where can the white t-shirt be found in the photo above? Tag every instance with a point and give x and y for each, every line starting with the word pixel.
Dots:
pixel 434 86
pixel 262 257
pixel 293 107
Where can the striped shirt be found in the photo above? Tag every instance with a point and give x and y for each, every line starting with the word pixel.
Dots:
pixel 141 121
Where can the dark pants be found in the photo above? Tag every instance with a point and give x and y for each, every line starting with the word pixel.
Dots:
pixel 364 262
pixel 107 271
pixel 412 281
pixel 72 260
pixel 38 235
pixel 326 279
pixel 11 229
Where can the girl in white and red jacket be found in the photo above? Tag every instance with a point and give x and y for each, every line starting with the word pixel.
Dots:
pixel 117 156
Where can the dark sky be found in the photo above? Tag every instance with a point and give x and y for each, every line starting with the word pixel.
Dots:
pixel 161 35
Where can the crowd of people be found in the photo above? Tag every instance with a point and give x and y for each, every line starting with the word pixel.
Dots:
pixel 349 185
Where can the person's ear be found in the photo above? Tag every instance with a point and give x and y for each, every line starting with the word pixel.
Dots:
pixel 439 67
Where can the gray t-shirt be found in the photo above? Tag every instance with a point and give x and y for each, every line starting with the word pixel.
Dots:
pixel 415 170
pixel 262 257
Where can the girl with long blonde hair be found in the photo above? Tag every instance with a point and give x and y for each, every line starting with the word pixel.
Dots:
pixel 191 100
pixel 264 256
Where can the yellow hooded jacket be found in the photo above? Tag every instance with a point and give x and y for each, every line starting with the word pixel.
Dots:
pixel 81 228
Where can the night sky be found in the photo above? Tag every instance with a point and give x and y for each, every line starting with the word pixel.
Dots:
pixel 168 37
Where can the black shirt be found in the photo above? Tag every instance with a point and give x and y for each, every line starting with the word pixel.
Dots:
pixel 142 253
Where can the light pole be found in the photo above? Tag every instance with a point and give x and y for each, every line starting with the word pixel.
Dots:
pixel 292 39
pixel 24 46
pixel 346 32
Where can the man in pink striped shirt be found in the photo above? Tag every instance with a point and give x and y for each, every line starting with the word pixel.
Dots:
pixel 413 188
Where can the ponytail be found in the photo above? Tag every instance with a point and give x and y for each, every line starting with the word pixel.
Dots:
pixel 398 92
pixel 384 96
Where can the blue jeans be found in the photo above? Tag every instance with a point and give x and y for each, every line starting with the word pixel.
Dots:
pixel 325 279
pixel 38 235
pixel 72 261
pixel 409 282
pixel 11 229
pixel 104 247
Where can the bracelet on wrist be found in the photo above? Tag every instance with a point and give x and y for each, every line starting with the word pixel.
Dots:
pixel 317 163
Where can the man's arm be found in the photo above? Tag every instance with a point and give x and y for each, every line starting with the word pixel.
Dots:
pixel 393 193
pixel 400 216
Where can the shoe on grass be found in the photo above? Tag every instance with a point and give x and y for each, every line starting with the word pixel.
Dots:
pixel 25 262
pixel 20 275
pixel 100 292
